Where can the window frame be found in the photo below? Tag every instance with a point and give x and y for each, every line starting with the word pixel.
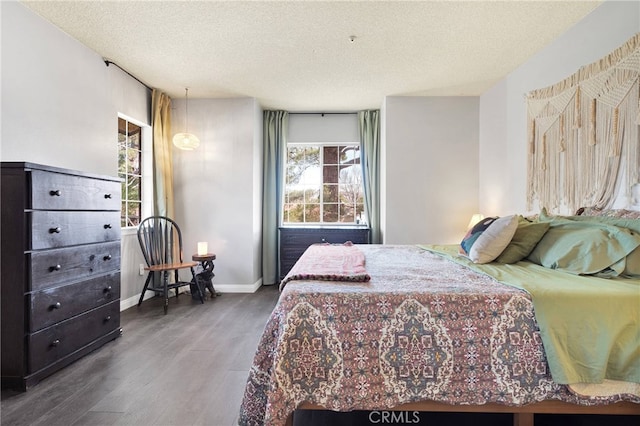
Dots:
pixel 146 170
pixel 321 196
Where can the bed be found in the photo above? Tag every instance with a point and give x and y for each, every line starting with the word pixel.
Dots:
pixel 398 327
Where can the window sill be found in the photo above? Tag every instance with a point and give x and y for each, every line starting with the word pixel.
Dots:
pixel 326 225
pixel 130 230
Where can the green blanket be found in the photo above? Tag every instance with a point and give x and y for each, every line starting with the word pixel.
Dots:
pixel 590 326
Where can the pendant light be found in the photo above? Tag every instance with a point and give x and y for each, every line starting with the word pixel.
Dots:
pixel 186 140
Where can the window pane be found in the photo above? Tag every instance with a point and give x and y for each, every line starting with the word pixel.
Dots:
pixel 133 161
pixel 123 187
pixel 296 196
pixel 295 164
pixel 349 194
pixel 123 215
pixel 134 211
pixel 312 195
pixel 122 144
pixel 330 212
pixel 133 188
pixel 330 174
pixel 347 213
pixel 312 213
pixel 299 162
pixel 330 155
pixel 351 175
pixel 312 154
pixel 134 136
pixel 122 129
pixel 350 154
pixel 294 213
pixel 330 193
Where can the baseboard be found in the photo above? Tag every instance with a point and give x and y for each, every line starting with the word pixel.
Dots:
pixel 222 288
pixel 238 288
pixel 133 300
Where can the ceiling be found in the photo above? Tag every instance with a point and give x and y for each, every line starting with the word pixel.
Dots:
pixel 300 55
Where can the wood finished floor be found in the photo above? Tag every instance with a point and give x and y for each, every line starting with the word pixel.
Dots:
pixel 190 368
pixel 186 368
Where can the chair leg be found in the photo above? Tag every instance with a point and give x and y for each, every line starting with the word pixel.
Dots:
pixel 197 285
pixel 176 278
pixel 144 289
pixel 166 291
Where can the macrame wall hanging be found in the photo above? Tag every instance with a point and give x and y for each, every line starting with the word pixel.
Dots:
pixel 583 140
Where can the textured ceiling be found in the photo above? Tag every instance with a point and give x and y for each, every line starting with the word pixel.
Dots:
pixel 297 55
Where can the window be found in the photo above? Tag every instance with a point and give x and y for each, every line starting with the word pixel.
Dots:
pixel 130 171
pixel 323 184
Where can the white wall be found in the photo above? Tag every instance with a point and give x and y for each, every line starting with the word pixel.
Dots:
pixel 60 106
pixel 503 161
pixel 218 188
pixel 431 177
pixel 323 128
pixel 59 99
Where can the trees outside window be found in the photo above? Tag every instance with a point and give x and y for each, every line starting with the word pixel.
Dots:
pixel 130 171
pixel 323 184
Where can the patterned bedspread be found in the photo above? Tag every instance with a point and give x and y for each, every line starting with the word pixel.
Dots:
pixel 423 328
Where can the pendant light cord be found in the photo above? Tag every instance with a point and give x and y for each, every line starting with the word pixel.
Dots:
pixel 186 109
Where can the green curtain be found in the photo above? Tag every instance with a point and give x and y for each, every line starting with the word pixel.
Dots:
pixel 275 128
pixel 162 154
pixel 369 125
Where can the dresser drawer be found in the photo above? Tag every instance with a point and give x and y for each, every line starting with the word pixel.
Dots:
pixel 50 306
pixel 60 229
pixel 57 266
pixel 53 343
pixel 58 191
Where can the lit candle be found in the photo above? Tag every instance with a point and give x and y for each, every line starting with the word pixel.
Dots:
pixel 202 249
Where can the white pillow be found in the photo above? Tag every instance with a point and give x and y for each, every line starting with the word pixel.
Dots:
pixel 492 242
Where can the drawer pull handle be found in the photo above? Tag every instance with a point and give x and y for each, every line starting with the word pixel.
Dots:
pixel 55 268
pixel 107 257
pixel 55 193
pixel 107 196
pixel 56 305
pixel 107 289
pixel 108 318
pixel 107 226
pixel 55 342
pixel 55 230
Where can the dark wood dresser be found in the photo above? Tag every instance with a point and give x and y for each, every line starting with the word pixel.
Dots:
pixel 294 240
pixel 60 274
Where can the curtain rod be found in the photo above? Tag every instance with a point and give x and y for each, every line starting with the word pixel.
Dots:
pixel 107 63
pixel 323 113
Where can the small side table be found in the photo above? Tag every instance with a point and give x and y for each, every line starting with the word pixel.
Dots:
pixel 206 276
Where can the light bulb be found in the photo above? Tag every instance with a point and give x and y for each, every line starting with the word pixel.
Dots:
pixel 186 141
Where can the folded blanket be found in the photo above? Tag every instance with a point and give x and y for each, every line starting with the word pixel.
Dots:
pixel 329 262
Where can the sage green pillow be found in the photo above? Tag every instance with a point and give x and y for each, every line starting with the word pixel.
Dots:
pixel 527 236
pixel 583 247
pixel 621 222
pixel 633 264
